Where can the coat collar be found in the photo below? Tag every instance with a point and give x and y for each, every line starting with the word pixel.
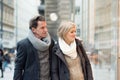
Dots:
pixel 60 54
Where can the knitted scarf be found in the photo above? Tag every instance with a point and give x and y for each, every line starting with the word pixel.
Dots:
pixel 40 45
pixel 68 50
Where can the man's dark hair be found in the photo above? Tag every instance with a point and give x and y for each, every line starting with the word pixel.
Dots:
pixel 33 21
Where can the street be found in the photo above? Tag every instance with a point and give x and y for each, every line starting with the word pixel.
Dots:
pixel 103 73
pixel 8 74
pixel 98 73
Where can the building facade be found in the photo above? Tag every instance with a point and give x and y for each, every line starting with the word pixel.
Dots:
pixel 106 34
pixel 84 19
pixel 57 11
pixel 97 24
pixel 24 11
pixel 7 23
pixel 14 20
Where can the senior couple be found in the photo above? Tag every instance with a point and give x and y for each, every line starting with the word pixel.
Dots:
pixel 39 58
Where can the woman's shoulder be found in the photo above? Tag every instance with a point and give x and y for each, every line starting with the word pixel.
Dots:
pixel 78 40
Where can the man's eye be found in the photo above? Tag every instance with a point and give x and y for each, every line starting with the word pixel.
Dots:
pixel 42 27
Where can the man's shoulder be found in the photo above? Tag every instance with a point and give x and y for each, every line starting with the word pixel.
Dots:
pixel 23 41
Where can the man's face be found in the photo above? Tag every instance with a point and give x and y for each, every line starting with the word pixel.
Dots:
pixel 41 30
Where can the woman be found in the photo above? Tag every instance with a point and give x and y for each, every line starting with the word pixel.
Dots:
pixel 69 59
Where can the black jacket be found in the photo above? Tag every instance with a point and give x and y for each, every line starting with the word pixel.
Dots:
pixel 1 58
pixel 59 69
pixel 27 61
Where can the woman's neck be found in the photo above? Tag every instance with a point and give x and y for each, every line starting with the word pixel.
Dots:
pixel 68 42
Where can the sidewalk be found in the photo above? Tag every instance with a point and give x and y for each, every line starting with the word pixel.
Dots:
pixel 8 74
pixel 98 73
pixel 103 73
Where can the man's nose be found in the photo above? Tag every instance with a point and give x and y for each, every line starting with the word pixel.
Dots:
pixel 46 30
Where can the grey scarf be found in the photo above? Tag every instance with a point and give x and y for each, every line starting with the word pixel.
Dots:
pixel 40 45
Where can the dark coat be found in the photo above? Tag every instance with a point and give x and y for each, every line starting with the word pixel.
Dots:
pixel 59 69
pixel 1 58
pixel 6 58
pixel 27 62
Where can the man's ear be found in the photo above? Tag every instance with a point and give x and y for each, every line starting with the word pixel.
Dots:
pixel 33 30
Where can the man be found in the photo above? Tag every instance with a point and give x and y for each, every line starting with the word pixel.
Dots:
pixel 33 53
pixel 1 62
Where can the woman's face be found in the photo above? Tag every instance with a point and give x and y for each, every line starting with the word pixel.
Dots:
pixel 70 35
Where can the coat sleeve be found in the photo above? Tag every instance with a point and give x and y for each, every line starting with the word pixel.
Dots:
pixel 54 66
pixel 19 62
pixel 87 64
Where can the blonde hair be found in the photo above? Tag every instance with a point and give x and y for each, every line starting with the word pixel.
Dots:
pixel 64 27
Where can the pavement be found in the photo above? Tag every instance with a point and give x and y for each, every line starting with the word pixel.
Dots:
pixel 8 73
pixel 103 73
